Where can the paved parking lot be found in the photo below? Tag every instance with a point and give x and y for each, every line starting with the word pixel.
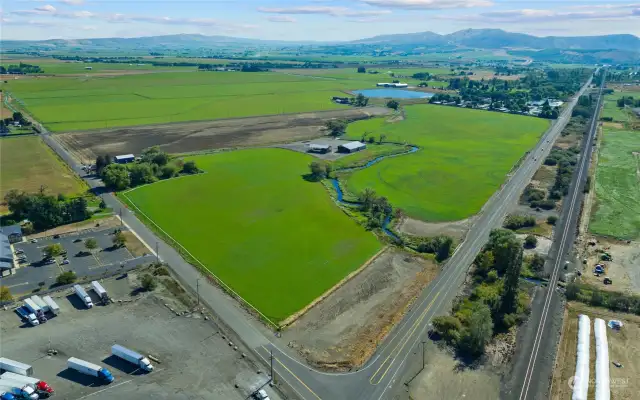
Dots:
pixel 196 362
pixel 102 260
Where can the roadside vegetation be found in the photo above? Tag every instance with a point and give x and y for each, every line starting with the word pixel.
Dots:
pixel 614 301
pixel 493 303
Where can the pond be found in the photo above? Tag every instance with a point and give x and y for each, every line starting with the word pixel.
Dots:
pixel 393 93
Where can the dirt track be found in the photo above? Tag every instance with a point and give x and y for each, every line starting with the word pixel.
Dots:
pixel 198 136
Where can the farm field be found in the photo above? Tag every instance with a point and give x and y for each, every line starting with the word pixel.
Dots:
pixel 52 66
pixel 617 209
pixel 260 227
pixel 611 109
pixel 371 152
pixel 351 74
pixel 463 159
pixel 26 163
pixel 77 103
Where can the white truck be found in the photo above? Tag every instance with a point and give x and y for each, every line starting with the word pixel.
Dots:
pixel 53 306
pixel 80 292
pixel 17 390
pixel 131 356
pixel 88 368
pixel 35 308
pixel 7 365
pixel 100 291
pixel 42 388
pixel 40 303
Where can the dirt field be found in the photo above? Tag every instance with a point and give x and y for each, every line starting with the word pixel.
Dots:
pixel 198 136
pixel 623 270
pixel 443 378
pixel 624 348
pixel 455 229
pixel 341 332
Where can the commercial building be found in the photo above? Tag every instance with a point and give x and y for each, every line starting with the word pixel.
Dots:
pixel 6 255
pixel 125 158
pixel 351 147
pixel 319 148
pixel 12 232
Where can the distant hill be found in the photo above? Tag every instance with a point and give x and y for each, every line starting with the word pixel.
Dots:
pixel 498 39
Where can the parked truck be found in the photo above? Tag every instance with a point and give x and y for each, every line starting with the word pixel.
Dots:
pixel 6 395
pixel 42 388
pixel 40 303
pixel 80 292
pixel 53 306
pixel 19 392
pixel 102 294
pixel 7 365
pixel 27 315
pixel 34 308
pixel 131 356
pixel 88 368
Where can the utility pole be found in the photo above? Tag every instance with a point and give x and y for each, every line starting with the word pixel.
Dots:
pixel 198 291
pixel 157 253
pixel 271 351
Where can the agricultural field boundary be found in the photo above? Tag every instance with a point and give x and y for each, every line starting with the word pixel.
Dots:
pixel 206 271
pixel 293 318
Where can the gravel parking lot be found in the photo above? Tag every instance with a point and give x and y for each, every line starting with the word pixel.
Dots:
pixel 103 260
pixel 303 147
pixel 195 361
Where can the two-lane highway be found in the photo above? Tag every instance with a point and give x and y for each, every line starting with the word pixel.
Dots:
pixel 382 375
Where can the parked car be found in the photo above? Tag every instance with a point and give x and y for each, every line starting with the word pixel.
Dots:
pixel 77 240
pixel 19 251
pixel 65 262
pixel 34 240
pixel 56 236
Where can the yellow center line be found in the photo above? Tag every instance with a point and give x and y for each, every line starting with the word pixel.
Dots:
pixel 294 375
pixel 401 344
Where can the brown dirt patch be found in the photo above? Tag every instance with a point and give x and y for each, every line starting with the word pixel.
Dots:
pixel 134 245
pixel 623 348
pixel 616 125
pixel 341 332
pixel 623 270
pixel 205 135
pixel 544 177
pixel 110 222
pixel 455 229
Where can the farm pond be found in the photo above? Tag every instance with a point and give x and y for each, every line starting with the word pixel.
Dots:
pixel 393 93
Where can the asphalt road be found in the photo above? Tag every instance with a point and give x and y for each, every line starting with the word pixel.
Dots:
pixel 383 374
pixel 537 341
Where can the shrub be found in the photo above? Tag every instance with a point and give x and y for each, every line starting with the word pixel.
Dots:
pixel 5 294
pixel 544 204
pixel 530 241
pixel 148 283
pixel 66 278
pixel 168 171
pixel 514 221
pixel 492 276
pixel 190 167
pixel 161 271
pixel 552 219
pixel 448 327
pixel 537 263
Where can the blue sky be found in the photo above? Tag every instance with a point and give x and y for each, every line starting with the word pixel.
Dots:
pixel 320 20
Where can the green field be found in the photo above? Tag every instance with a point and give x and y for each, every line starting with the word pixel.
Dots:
pixel 372 151
pixel 611 109
pixel 26 163
pixel 383 75
pixel 465 156
pixel 75 103
pixel 617 210
pixel 276 239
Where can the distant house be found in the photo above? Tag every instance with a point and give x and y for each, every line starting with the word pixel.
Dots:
pixel 341 100
pixel 319 148
pixel 351 147
pixel 125 158
pixel 393 85
pixel 12 232
pixel 88 68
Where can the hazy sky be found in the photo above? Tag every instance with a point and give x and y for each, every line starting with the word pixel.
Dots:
pixel 310 19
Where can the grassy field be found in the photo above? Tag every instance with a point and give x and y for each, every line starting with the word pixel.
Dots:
pixel 464 158
pixel 617 211
pixel 75 103
pixel 611 109
pixel 384 75
pixel 260 227
pixel 26 163
pixel 59 67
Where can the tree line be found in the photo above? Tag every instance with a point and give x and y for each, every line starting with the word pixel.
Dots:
pixel 154 165
pixel 21 69
pixel 44 211
pixel 495 303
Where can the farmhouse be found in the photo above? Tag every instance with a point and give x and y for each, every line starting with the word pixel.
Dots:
pixel 13 233
pixel 88 68
pixel 393 85
pixel 351 147
pixel 319 148
pixel 125 158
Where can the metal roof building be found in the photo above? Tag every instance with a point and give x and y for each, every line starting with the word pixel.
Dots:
pixel 6 255
pixel 125 158
pixel 319 148
pixel 351 147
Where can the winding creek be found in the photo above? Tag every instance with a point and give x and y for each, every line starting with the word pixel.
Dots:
pixel 340 194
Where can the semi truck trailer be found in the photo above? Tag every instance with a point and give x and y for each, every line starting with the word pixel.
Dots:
pixel 100 291
pixel 53 306
pixel 131 356
pixel 7 365
pixel 88 368
pixel 41 387
pixel 80 292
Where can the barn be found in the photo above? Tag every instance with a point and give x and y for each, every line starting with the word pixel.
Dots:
pixel 351 147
